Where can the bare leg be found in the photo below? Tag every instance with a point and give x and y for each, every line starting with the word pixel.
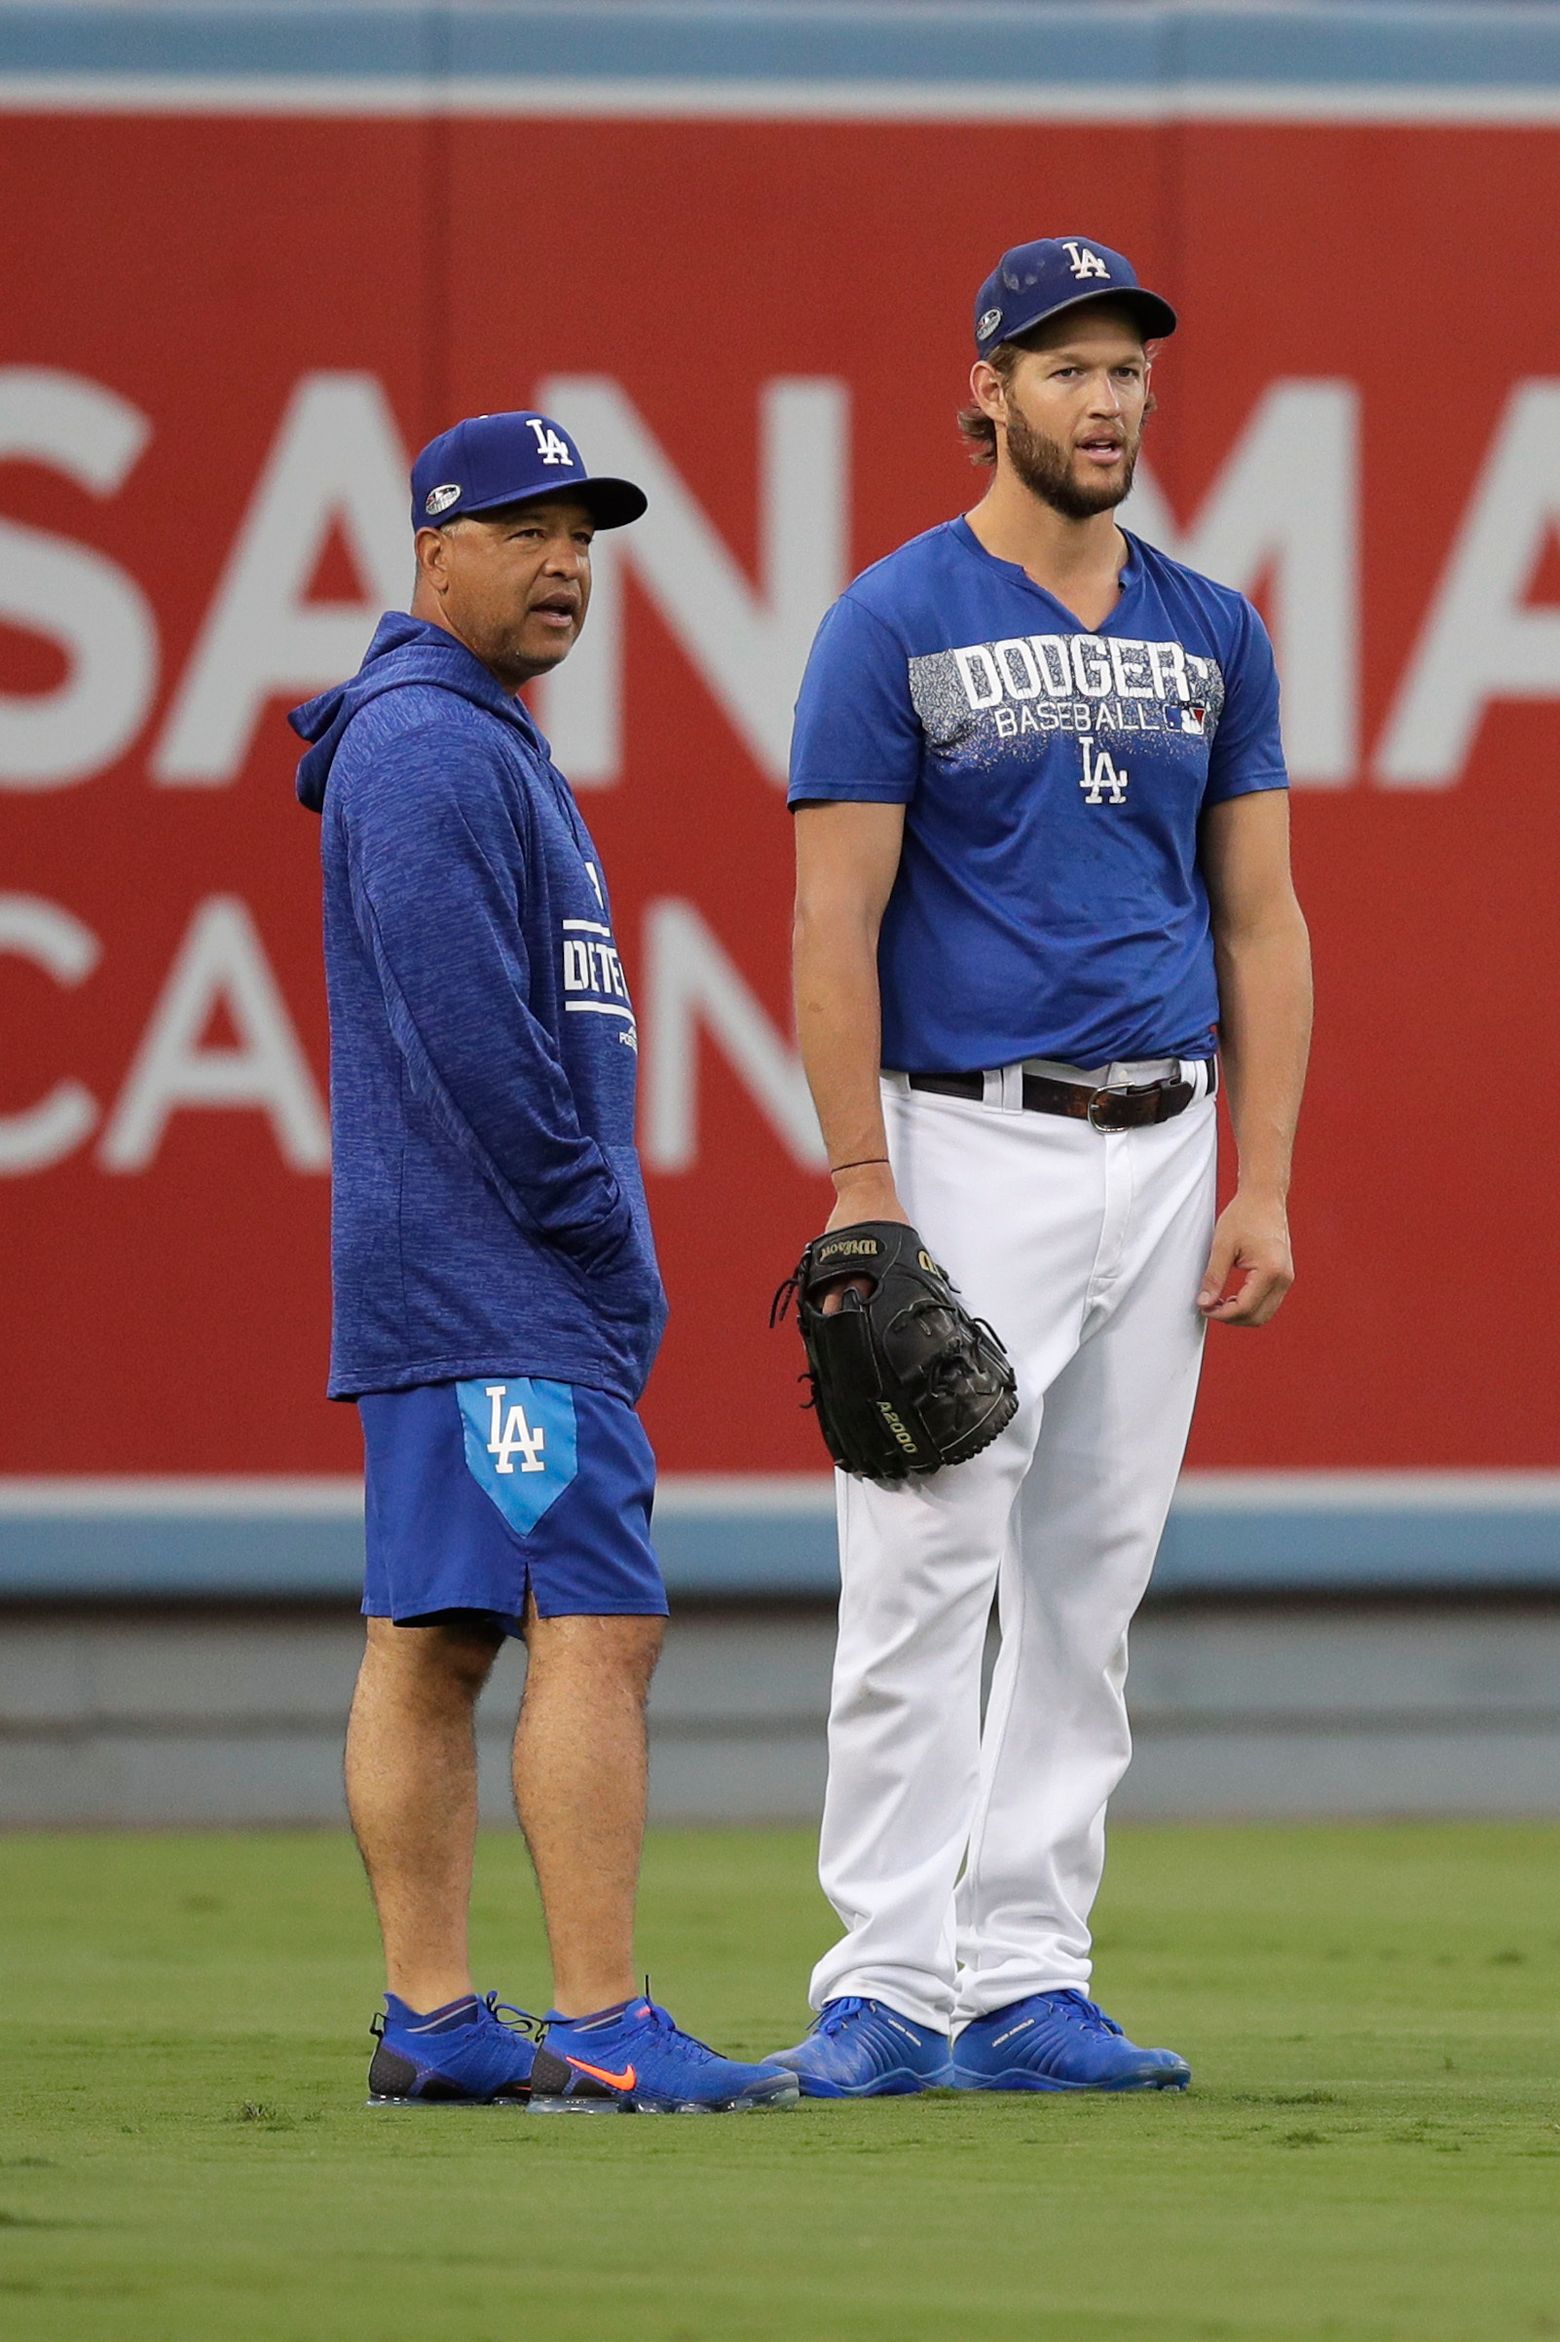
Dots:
pixel 581 1773
pixel 412 1794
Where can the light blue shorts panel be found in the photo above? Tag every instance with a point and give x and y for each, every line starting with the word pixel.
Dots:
pixel 479 1494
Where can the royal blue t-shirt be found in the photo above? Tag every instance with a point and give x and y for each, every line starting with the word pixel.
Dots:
pixel 1049 901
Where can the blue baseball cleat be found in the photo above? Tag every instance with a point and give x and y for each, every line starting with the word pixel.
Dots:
pixel 634 2060
pixel 1059 2041
pixel 864 2049
pixel 468 2053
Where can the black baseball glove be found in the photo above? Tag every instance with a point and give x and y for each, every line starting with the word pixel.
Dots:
pixel 903 1378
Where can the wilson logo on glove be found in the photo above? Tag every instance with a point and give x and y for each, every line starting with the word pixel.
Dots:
pixel 902 1377
pixel 832 1248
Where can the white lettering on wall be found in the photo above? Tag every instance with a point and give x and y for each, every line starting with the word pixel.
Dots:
pixel 748 643
pixel 221 964
pixel 77 597
pixel 1479 643
pixel 1282 512
pixel 1285 506
pixel 337 461
pixel 58 943
pixel 693 987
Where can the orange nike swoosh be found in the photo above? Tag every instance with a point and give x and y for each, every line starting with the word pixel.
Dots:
pixel 623 2081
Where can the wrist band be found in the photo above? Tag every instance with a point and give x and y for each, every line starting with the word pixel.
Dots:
pixel 860 1165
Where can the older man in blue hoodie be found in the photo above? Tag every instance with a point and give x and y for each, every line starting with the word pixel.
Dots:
pixel 497 1301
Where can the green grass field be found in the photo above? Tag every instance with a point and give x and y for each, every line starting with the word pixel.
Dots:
pixel 1371 2148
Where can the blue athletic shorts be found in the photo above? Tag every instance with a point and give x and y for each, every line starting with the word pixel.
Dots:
pixel 480 1493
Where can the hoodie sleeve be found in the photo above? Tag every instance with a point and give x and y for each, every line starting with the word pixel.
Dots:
pixel 431 852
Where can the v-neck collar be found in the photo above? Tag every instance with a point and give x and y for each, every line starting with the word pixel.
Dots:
pixel 1131 571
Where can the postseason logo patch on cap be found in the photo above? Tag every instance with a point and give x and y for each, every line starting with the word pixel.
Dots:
pixel 440 499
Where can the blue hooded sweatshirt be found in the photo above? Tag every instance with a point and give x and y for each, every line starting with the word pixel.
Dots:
pixel 487 1210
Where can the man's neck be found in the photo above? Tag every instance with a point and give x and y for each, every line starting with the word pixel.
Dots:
pixel 428 608
pixel 1079 561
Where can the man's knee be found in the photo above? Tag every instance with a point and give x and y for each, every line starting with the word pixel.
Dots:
pixel 452 1657
pixel 643 1649
pixel 620 1651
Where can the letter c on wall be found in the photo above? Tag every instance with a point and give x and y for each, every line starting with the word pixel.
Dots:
pixel 59 944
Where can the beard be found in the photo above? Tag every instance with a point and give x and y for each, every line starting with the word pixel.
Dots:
pixel 1046 469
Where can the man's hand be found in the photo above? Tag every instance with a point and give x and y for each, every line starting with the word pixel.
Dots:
pixel 865 1192
pixel 1251 1243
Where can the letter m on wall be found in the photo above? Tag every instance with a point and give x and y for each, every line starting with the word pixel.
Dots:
pixel 748 640
pixel 1284 511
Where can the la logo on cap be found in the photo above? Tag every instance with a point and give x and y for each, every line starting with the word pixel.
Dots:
pixel 551 445
pixel 440 499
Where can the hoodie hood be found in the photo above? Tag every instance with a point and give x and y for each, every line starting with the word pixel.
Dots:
pixel 404 650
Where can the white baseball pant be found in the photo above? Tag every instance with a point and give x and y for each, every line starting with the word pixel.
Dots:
pixel 964 1860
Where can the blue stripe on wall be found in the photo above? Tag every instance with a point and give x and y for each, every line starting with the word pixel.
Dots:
pixel 1449 47
pixel 195 43
pixel 791 1555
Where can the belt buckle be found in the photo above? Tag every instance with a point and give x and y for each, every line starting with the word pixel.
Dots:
pixel 1167 1081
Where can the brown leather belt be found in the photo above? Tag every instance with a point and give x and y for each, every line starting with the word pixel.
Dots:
pixel 1127 1109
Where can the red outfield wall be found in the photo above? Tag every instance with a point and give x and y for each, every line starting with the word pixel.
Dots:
pixel 221 337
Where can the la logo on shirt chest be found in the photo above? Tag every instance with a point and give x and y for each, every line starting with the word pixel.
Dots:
pixel 1101 780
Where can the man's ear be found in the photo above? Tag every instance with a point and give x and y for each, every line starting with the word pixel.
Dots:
pixel 433 560
pixel 987 390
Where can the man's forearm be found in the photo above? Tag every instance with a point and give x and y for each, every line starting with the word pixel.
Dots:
pixel 1265 1027
pixel 839 1025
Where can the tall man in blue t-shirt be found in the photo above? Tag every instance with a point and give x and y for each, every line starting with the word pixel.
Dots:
pixel 497 1301
pixel 1042 844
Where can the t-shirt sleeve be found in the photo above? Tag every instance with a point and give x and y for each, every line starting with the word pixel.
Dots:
pixel 857 735
pixel 1247 753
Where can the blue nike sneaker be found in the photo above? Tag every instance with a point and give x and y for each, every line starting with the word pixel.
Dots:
pixel 1059 2041
pixel 469 2053
pixel 634 2060
pixel 864 2049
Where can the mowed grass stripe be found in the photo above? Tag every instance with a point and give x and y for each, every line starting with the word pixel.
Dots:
pixel 1371 2149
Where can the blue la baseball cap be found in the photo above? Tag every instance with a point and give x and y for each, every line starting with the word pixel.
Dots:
pixel 489 460
pixel 1035 281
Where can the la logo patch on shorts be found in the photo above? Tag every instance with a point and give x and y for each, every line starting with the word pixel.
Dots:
pixel 521 1444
